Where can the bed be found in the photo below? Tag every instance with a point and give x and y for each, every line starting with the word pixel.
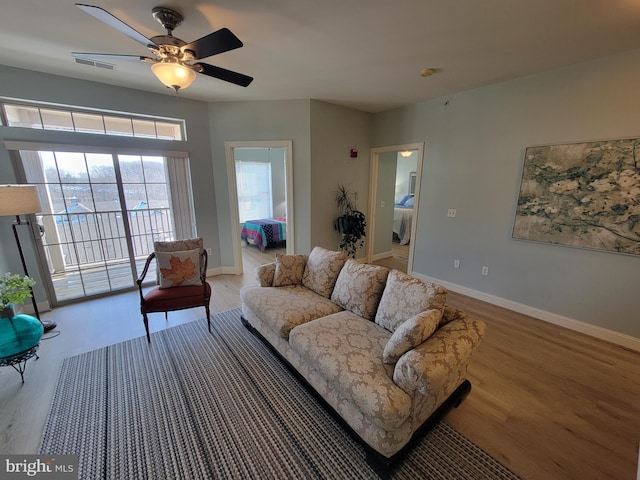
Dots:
pixel 266 232
pixel 402 219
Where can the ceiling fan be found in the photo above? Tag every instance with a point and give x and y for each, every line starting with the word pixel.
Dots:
pixel 175 62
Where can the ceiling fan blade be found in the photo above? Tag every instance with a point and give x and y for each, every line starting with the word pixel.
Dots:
pixel 226 75
pixel 115 22
pixel 219 41
pixel 112 56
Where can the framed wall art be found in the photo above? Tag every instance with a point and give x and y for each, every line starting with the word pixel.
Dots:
pixel 584 195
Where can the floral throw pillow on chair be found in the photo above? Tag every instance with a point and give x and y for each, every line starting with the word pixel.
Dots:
pixel 179 269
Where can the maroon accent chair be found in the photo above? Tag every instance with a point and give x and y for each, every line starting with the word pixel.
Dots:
pixel 175 298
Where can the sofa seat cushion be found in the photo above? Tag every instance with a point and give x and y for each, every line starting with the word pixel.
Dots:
pixel 359 288
pixel 284 308
pixel 405 296
pixel 346 350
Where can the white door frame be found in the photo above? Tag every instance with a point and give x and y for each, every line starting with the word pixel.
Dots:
pixel 373 182
pixel 233 192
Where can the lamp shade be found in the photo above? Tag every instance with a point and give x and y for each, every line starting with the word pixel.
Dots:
pixel 19 200
pixel 173 75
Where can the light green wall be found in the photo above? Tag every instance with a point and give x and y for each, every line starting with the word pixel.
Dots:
pixel 405 167
pixel 474 148
pixel 255 121
pixel 335 131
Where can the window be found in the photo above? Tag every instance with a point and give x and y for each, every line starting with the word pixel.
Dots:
pixel 71 120
pixel 254 190
pixel 101 213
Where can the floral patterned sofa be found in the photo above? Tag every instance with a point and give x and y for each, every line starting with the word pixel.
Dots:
pixel 380 347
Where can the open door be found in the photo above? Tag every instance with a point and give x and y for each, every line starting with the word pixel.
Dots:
pixel 394 191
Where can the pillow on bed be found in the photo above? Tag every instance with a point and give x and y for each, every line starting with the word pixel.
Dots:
pixel 409 202
pixel 404 199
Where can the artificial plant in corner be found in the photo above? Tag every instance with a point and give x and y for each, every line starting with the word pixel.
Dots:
pixel 351 223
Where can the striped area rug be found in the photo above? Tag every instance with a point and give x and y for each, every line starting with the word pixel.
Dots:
pixel 194 405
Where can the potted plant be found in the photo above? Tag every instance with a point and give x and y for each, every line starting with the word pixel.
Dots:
pixel 351 223
pixel 14 289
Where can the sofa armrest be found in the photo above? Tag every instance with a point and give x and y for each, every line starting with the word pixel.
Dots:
pixel 264 274
pixel 438 365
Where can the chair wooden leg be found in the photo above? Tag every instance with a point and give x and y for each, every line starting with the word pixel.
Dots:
pixel 166 316
pixel 146 326
pixel 208 317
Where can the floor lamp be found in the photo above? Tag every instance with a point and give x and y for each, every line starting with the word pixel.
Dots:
pixel 17 200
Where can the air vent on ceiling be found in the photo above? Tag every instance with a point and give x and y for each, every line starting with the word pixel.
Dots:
pixel 94 63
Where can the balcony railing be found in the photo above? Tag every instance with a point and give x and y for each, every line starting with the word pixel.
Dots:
pixel 89 239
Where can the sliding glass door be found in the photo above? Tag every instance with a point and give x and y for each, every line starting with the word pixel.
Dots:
pixel 101 213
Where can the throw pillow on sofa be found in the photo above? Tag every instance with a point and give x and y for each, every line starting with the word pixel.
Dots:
pixel 410 334
pixel 405 296
pixel 289 270
pixel 322 269
pixel 359 287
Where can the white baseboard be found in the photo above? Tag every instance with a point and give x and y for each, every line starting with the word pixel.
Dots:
pixel 381 256
pixel 214 272
pixel 27 308
pixel 611 336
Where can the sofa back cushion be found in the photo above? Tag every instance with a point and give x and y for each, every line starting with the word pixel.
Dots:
pixel 405 296
pixel 359 288
pixel 322 269
pixel 289 270
pixel 264 274
pixel 410 334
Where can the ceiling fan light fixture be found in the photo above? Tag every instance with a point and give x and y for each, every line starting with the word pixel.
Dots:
pixel 173 75
pixel 406 154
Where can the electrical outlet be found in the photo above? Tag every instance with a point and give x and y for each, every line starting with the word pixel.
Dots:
pixel 451 212
pixel 485 270
pixel 382 204
pixel 456 264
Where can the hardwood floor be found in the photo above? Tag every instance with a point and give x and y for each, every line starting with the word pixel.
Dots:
pixel 399 260
pixel 547 402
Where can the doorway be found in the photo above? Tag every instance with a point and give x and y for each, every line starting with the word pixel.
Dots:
pixel 394 191
pixel 260 179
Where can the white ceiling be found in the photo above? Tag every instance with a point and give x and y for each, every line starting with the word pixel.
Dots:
pixel 365 54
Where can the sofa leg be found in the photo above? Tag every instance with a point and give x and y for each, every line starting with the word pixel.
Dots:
pixel 461 393
pixel 246 323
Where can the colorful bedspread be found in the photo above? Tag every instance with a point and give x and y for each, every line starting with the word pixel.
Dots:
pixel 264 232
